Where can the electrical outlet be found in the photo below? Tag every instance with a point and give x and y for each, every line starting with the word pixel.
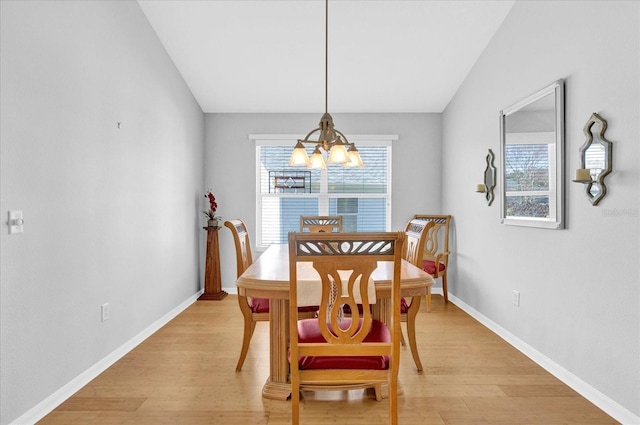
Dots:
pixel 106 313
pixel 516 298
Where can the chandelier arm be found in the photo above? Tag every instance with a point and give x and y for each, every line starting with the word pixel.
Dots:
pixel 344 138
pixel 306 138
pixel 318 142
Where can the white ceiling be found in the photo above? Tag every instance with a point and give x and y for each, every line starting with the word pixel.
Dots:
pixel 268 55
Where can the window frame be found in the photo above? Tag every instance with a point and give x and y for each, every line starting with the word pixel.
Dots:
pixel 538 138
pixel 324 196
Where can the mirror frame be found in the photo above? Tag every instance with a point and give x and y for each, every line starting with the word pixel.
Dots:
pixel 555 89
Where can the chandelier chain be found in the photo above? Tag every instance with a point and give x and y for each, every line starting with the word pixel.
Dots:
pixel 326 57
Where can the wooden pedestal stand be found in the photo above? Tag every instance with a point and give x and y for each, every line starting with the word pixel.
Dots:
pixel 212 284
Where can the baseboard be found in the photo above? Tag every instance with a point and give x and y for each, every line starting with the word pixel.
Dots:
pixel 603 402
pixel 231 290
pixel 46 406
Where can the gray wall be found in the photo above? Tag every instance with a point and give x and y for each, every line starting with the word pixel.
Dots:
pixel 114 215
pixel 111 215
pixel 230 164
pixel 579 286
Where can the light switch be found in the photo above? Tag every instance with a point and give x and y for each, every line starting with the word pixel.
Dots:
pixel 16 223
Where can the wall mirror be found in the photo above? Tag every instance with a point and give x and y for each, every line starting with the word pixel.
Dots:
pixel 532 151
pixel 595 158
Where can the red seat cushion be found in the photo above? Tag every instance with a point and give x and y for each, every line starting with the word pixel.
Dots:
pixel 309 308
pixel 430 266
pixel 347 310
pixel 308 331
pixel 261 305
pixel 404 305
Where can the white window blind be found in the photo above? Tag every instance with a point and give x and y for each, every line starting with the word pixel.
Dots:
pixel 362 196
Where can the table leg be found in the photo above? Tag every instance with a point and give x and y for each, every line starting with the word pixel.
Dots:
pixel 278 386
pixel 382 310
pixel 411 330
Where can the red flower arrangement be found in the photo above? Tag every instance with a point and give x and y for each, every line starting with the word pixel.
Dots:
pixel 213 206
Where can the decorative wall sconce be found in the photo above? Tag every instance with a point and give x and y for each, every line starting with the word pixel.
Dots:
pixel 489 179
pixel 595 159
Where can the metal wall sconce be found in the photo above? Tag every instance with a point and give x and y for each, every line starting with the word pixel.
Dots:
pixel 489 179
pixel 595 159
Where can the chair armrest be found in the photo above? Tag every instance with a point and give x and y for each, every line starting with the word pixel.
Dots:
pixel 442 257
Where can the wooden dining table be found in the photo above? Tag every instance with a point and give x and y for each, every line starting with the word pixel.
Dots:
pixel 268 277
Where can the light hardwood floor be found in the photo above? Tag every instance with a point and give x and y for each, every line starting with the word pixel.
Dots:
pixel 185 374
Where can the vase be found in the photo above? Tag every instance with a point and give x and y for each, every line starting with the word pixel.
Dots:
pixel 212 222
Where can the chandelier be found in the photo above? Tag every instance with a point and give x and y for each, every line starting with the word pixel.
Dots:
pixel 339 149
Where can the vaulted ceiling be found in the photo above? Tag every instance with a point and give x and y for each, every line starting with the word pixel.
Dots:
pixel 269 55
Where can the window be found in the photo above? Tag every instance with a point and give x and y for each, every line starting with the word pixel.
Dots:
pixel 529 189
pixel 362 196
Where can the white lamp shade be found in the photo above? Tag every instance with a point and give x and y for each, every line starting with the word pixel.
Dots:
pixel 299 156
pixel 354 158
pixel 338 154
pixel 317 160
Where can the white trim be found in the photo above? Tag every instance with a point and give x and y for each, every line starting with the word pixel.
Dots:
pixel 610 407
pixel 231 290
pixel 260 140
pixel 544 223
pixel 279 139
pixel 47 405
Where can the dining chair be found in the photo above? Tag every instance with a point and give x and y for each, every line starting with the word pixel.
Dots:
pixel 436 251
pixel 331 351
pixel 321 223
pixel 253 309
pixel 415 234
pixel 415 237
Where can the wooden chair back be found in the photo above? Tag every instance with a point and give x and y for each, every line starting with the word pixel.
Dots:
pixel 357 254
pixel 437 240
pixel 416 237
pixel 321 223
pixel 243 245
pixel 436 249
pixel 416 234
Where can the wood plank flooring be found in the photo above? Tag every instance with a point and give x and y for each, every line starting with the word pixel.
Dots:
pixel 185 374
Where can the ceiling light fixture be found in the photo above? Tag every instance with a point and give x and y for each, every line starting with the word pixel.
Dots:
pixel 339 149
